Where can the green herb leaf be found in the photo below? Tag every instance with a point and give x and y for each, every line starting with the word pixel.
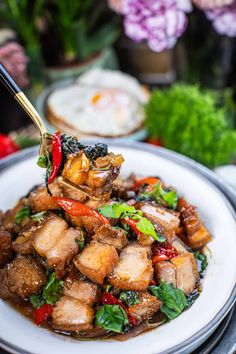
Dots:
pixel 42 161
pixel 39 216
pixel 52 290
pixel 37 300
pixel 129 297
pixel 108 288
pixel 111 318
pixel 173 299
pixel 168 198
pixel 123 210
pixel 23 213
pixel 201 262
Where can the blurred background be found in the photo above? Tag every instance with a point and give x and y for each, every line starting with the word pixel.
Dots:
pixel 157 71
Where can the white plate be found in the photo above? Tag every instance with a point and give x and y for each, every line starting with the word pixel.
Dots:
pixel 191 328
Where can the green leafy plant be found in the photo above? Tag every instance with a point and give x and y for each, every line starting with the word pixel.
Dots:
pixel 50 294
pixel 173 299
pixel 188 120
pixel 111 318
pixel 23 213
pixel 201 262
pixel 81 28
pixel 129 297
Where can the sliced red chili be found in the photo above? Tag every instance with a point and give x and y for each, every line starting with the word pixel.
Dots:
pixel 57 156
pixel 7 146
pixel 152 282
pixel 75 208
pixel 163 252
pixel 133 225
pixel 147 180
pixel 42 314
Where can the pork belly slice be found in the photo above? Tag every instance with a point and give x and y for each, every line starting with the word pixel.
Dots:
pixel 82 290
pixel 111 236
pixel 189 216
pixel 49 234
pixel 21 278
pixel 40 199
pixel 96 261
pixel 5 247
pixel 60 255
pixel 165 271
pixel 167 220
pixel 186 272
pixel 70 314
pixel 24 242
pixel 179 245
pixel 148 305
pixel 199 239
pixel 89 223
pixel 134 269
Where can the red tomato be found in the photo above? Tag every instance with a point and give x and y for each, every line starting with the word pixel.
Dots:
pixel 7 146
pixel 42 313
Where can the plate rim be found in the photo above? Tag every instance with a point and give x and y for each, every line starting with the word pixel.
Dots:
pixel 209 176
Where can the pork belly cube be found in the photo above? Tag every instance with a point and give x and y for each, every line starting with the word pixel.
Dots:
pixel 186 272
pixel 200 238
pixel 84 291
pixel 89 223
pixel 40 199
pixel 5 247
pixel 70 314
pixel 189 216
pixel 24 242
pixel 114 237
pixel 165 271
pixel 179 246
pixel 168 220
pixel 96 261
pixel 48 234
pixel 60 255
pixel 134 269
pixel 148 305
pixel 21 278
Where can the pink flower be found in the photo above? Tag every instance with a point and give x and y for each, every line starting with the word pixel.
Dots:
pixel 224 19
pixel 159 22
pixel 15 61
pixel 212 4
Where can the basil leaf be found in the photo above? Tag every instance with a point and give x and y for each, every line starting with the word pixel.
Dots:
pixel 108 288
pixel 173 299
pixel 146 227
pixel 42 161
pixel 39 216
pixel 37 300
pixel 23 213
pixel 129 297
pixel 111 318
pixel 163 196
pixel 52 290
pixel 201 262
pixel 170 198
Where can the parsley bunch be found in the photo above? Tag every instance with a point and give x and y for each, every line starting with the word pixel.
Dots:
pixel 189 121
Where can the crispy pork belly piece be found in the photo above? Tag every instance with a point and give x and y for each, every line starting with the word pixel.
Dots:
pixel 111 236
pixel 40 199
pixel 48 234
pixel 82 290
pixel 62 252
pixel 24 242
pixel 8 219
pixel 167 219
pixel 148 305
pixel 186 272
pixel 96 261
pixel 5 247
pixel 199 239
pixel 134 269
pixel 179 246
pixel 189 217
pixel 89 223
pixel 165 271
pixel 70 314
pixel 21 278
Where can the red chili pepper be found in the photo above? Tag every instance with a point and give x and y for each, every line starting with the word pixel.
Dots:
pixel 152 282
pixel 75 208
pixel 163 252
pixel 156 142
pixel 109 299
pixel 133 225
pixel 147 180
pixel 7 146
pixel 56 156
pixel 42 313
